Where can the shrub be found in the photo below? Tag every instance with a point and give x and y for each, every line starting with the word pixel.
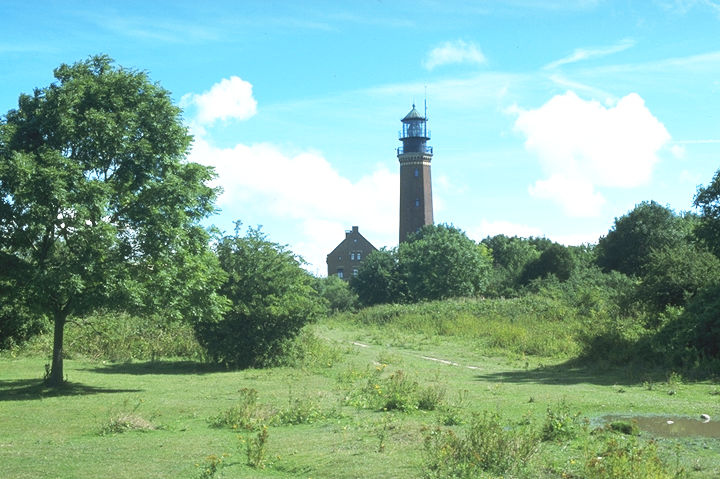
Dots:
pixel 628 459
pixel 271 298
pixel 560 423
pixel 245 414
pixel 487 446
pixel 337 293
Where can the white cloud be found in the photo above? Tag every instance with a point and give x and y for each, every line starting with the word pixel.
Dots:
pixel 580 54
pixel 678 151
pixel 577 195
pixel 231 98
pixel 583 145
pixel 458 51
pixel 306 190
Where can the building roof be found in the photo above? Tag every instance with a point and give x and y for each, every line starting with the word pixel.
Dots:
pixel 413 115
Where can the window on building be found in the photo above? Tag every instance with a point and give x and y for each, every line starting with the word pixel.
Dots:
pixel 352 256
pixel 340 273
pixel 358 256
pixel 355 271
pixel 339 258
pixel 417 201
pixel 417 172
pixel 354 240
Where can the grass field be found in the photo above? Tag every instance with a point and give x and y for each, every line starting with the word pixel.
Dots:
pixel 363 404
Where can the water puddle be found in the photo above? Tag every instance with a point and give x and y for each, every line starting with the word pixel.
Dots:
pixel 671 426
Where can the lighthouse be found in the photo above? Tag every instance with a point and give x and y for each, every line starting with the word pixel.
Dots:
pixel 416 209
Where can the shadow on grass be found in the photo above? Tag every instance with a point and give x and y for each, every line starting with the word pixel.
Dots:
pixel 29 389
pixel 576 372
pixel 159 367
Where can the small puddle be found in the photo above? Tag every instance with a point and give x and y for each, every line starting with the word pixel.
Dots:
pixel 671 426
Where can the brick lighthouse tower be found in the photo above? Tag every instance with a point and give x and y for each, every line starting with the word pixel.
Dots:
pixel 414 155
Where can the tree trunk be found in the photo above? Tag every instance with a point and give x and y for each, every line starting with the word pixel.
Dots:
pixel 56 377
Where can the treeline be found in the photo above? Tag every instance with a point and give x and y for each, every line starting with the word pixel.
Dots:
pixel 652 282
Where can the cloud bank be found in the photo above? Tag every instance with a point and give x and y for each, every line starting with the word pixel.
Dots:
pixel 583 145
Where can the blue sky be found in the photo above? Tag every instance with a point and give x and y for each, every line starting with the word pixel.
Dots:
pixel 548 117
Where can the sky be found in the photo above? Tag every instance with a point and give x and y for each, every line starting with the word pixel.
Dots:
pixel 547 117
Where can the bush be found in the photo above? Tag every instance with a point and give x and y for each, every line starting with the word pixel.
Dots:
pixel 674 275
pixel 337 293
pixel 693 336
pixel 487 446
pixel 271 299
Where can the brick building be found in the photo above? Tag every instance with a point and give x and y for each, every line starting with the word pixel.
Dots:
pixel 345 259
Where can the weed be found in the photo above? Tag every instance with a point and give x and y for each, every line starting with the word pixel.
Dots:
pixel 400 393
pixel 628 459
pixel 211 466
pixel 487 446
pixel 431 398
pixel 245 414
pixel 452 412
pixel 396 392
pixel 387 423
pixel 309 351
pixel 302 411
pixel 560 424
pixel 674 380
pixel 256 448
pixel 126 420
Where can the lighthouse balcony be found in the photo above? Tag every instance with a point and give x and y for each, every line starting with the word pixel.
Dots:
pixel 422 149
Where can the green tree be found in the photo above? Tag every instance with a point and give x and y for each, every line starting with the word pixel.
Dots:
pixel 675 274
pixel 440 261
pixel 510 257
pixel 271 298
pixel 556 260
pixel 707 200
pixel 98 207
pixel 627 246
pixel 337 293
pixel 378 280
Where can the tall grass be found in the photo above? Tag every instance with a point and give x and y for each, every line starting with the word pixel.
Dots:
pixel 122 337
pixel 533 324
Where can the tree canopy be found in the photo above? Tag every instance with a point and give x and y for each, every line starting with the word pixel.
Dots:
pixel 627 247
pixel 436 262
pixel 708 201
pixel 98 207
pixel 440 261
pixel 271 298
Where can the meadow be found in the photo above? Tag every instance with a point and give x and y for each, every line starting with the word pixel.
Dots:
pixel 448 389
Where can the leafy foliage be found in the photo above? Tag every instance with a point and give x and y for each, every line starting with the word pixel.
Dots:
pixel 556 260
pixel 441 262
pixel 436 262
pixel 627 247
pixel 378 280
pixel 337 293
pixel 488 445
pixel 675 274
pixel 708 200
pixel 693 335
pixel 510 257
pixel 271 299
pixel 98 208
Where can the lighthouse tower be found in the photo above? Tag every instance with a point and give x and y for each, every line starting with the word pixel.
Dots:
pixel 414 155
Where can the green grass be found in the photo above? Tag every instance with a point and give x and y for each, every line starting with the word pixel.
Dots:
pixel 159 418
